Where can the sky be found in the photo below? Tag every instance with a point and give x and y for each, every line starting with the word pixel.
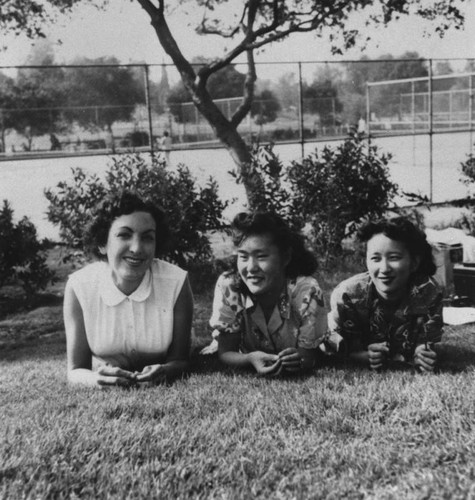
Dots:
pixel 123 30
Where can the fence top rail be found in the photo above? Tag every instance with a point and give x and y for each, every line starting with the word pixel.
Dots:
pixel 421 79
pixel 239 63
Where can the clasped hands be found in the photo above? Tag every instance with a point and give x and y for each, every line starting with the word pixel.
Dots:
pixel 424 356
pixel 112 375
pixel 273 364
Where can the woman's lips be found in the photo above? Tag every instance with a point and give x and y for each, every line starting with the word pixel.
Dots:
pixel 133 261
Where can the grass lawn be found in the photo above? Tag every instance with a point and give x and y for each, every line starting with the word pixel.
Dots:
pixel 342 432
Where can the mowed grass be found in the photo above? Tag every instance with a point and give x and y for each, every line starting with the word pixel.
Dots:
pixel 341 432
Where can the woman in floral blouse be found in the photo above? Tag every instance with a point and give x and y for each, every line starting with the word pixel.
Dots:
pixel 392 312
pixel 269 313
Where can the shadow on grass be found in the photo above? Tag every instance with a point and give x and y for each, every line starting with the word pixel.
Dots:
pixel 37 348
pixel 16 304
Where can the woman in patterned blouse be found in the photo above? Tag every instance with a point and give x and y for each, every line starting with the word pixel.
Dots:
pixel 392 312
pixel 269 313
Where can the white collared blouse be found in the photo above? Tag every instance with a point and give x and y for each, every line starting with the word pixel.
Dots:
pixel 128 331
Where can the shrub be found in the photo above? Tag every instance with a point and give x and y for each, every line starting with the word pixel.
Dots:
pixel 468 170
pixel 339 188
pixel 21 254
pixel 192 211
pixel 330 192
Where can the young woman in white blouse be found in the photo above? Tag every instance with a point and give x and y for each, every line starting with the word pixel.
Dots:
pixel 130 312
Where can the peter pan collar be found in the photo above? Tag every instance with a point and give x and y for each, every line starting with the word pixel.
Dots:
pixel 112 296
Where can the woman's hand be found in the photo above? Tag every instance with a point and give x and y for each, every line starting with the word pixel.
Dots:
pixel 291 359
pixel 265 364
pixel 152 373
pixel 377 354
pixel 425 358
pixel 112 375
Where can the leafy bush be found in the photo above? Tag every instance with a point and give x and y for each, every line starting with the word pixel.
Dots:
pixel 468 170
pixel 192 211
pixel 21 254
pixel 329 192
pixel 339 188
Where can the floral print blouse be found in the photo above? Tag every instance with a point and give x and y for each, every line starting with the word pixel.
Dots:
pixel 360 317
pixel 298 320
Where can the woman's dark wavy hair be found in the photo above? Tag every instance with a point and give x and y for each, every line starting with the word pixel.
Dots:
pixel 114 206
pixel 403 230
pixel 302 261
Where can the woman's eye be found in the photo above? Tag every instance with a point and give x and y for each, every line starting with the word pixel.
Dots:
pixel 262 256
pixel 123 235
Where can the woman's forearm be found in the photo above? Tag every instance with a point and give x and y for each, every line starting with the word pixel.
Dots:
pixel 82 377
pixel 175 368
pixel 235 359
pixel 360 357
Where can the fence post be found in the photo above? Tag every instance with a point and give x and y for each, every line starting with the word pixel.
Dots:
pixel 413 108
pixel 470 111
pixel 368 117
pixel 431 133
pixel 301 128
pixel 149 108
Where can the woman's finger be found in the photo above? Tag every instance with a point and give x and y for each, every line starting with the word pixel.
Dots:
pixel 379 347
pixel 428 354
pixel 115 371
pixel 270 368
pixel 288 351
pixel 295 361
pixel 123 382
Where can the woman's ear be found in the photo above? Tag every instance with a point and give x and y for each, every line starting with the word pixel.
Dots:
pixel 103 250
pixel 415 263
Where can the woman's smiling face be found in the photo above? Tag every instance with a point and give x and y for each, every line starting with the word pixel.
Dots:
pixel 390 266
pixel 261 265
pixel 130 249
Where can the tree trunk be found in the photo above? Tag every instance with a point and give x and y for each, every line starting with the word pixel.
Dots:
pixel 225 130
pixel 227 133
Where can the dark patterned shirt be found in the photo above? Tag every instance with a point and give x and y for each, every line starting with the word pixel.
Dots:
pixel 361 317
pixel 298 320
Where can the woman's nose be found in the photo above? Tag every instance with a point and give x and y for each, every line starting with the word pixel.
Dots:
pixel 251 264
pixel 384 266
pixel 135 244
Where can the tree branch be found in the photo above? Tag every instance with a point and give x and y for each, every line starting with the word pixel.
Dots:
pixel 168 42
pixel 249 86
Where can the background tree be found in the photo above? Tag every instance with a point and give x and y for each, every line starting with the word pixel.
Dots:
pixel 384 100
pixel 7 99
pixel 226 83
pixel 265 107
pixel 98 92
pixel 286 90
pixel 321 97
pixel 34 95
pixel 250 25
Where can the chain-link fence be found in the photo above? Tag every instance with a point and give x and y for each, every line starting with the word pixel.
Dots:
pixel 408 106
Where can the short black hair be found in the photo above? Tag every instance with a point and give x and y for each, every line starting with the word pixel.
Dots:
pixel 412 237
pixel 114 206
pixel 302 261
